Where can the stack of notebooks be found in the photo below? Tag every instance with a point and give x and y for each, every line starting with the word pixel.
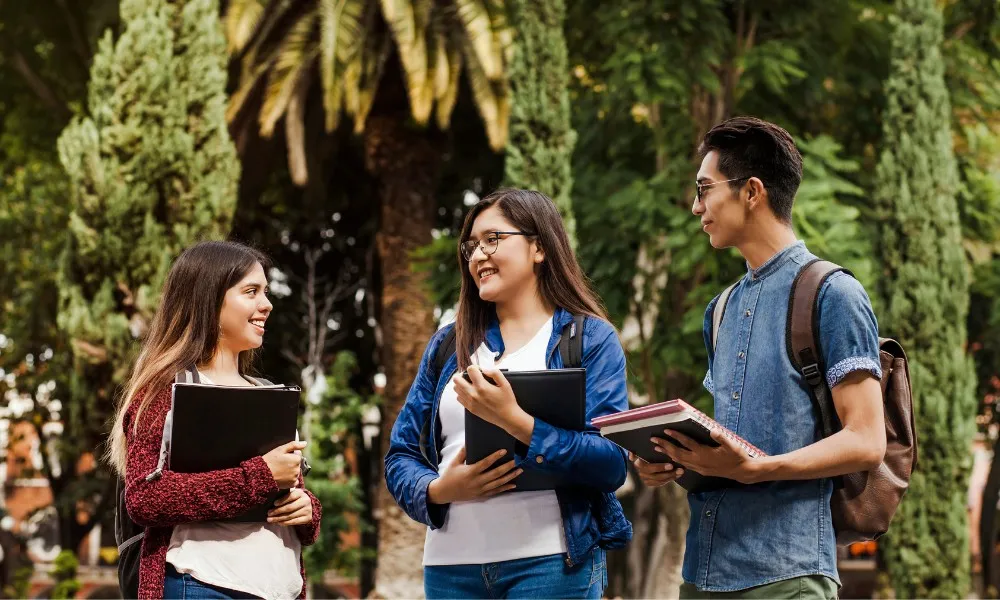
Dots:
pixel 632 430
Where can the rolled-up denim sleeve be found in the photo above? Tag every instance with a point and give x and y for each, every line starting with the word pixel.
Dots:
pixel 848 329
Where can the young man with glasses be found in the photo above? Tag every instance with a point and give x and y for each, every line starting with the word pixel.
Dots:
pixel 772 537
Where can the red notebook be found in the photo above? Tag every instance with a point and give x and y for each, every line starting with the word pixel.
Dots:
pixel 632 429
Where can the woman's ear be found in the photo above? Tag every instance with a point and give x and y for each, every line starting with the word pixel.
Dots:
pixel 539 257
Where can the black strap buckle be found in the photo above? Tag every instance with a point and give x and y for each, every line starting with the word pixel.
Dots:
pixel 812 374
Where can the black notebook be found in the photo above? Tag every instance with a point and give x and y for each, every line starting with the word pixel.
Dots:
pixel 217 427
pixel 556 396
pixel 632 430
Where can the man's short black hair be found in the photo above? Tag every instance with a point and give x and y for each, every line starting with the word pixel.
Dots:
pixel 751 147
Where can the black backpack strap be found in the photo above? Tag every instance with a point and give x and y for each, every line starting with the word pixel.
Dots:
pixel 718 312
pixel 802 338
pixel 571 343
pixel 441 355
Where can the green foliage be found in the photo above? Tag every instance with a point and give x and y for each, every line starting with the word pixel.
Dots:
pixel 152 170
pixel 541 136
pixel 333 428
pixel 925 288
pixel 64 572
pixel 21 582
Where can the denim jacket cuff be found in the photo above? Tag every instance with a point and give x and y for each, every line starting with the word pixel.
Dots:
pixel 542 437
pixel 433 515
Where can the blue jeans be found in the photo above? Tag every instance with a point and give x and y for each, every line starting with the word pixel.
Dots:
pixel 181 586
pixel 538 577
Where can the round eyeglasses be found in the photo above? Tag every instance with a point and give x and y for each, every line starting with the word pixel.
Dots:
pixel 488 244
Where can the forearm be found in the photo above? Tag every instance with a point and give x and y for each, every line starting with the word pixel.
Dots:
pixel 172 498
pixel 586 458
pixel 847 451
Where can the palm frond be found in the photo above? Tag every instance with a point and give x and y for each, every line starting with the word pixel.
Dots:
pixel 477 24
pixel 298 51
pixel 241 20
pixel 340 38
pixel 407 20
pixel 492 99
pixel 295 131
pixel 448 76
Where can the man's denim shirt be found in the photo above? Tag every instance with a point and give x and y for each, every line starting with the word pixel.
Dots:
pixel 758 534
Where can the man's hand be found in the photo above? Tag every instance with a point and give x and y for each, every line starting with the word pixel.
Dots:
pixel 727 460
pixel 655 474
pixel 472 482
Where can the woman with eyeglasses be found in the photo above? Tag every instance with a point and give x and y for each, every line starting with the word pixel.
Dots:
pixel 521 288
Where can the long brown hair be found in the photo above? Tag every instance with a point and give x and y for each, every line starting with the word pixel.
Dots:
pixel 560 279
pixel 185 329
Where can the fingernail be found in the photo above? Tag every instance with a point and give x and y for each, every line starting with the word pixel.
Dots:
pixel 503 452
pixel 657 449
pixel 680 471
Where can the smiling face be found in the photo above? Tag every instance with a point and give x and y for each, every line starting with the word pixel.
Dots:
pixel 722 208
pixel 510 269
pixel 245 309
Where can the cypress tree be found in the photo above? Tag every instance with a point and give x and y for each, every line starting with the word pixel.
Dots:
pixel 152 169
pixel 541 135
pixel 925 288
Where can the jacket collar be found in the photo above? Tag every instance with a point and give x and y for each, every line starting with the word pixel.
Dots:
pixel 494 340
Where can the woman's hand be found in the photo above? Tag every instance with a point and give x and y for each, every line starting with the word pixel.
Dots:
pixel 494 402
pixel 462 482
pixel 294 509
pixel 284 462
pixel 655 474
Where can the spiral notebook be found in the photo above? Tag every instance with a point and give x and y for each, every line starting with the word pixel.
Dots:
pixel 632 429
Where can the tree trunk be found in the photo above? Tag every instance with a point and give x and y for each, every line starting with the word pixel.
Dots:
pixel 406 162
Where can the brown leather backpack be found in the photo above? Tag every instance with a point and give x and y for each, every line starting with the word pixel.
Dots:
pixel 863 504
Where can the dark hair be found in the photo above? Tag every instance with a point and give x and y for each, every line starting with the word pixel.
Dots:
pixel 185 328
pixel 751 147
pixel 560 279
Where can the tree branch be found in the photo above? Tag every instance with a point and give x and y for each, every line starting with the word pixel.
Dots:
pixel 79 45
pixel 36 83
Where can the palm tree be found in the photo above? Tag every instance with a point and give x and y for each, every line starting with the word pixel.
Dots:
pixel 389 65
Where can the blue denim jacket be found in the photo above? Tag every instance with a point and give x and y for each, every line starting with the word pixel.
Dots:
pixel 758 534
pixel 591 514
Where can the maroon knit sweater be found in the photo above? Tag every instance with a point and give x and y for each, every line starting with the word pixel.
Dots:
pixel 173 498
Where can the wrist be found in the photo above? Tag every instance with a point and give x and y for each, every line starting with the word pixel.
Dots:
pixel 435 492
pixel 521 425
pixel 759 470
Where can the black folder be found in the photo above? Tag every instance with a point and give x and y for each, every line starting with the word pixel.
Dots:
pixel 556 396
pixel 217 427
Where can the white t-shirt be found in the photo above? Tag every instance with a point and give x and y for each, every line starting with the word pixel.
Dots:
pixel 509 526
pixel 255 558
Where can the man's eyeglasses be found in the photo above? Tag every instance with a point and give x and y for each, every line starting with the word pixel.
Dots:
pixel 700 193
pixel 488 244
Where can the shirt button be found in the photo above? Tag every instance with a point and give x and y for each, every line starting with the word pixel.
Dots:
pixel 741 355
pixel 708 513
pixel 736 395
pixel 748 312
pixel 539 459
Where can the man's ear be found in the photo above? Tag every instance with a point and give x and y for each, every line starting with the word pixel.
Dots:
pixel 756 193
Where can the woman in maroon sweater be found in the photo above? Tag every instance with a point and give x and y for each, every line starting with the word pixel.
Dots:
pixel 212 315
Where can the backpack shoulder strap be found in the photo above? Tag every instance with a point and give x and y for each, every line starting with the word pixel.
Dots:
pixel 802 337
pixel 571 343
pixel 444 350
pixel 719 311
pixel 441 355
pixel 188 375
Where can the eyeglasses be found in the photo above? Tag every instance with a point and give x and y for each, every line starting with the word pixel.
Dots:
pixel 488 244
pixel 700 193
